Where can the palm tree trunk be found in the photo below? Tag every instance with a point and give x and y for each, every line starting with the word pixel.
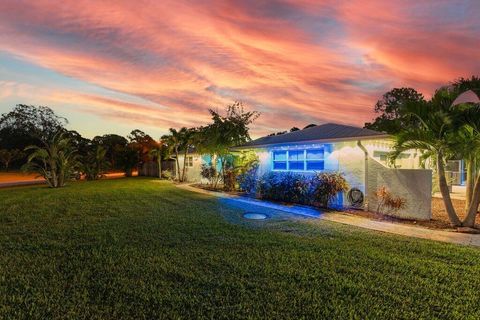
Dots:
pixel 442 181
pixel 470 164
pixel 472 206
pixel 184 162
pixel 178 164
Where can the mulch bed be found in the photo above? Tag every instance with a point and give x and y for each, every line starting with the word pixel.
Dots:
pixel 439 215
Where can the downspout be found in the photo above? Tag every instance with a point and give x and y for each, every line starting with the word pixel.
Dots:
pixel 365 178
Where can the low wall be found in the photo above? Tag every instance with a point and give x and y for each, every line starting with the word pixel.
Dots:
pixel 414 185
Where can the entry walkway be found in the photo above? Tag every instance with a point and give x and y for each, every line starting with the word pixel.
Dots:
pixel 382 226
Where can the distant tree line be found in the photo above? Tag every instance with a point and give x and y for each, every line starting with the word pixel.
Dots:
pixel 293 129
pixel 27 126
pixel 35 139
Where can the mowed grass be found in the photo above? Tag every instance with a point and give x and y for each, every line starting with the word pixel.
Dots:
pixel 141 249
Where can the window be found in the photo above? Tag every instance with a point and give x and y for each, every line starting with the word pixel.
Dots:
pixel 296 160
pixel 315 159
pixel 189 161
pixel 280 160
pixel 299 160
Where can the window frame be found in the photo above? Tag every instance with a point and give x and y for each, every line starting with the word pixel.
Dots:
pixel 189 162
pixel 304 160
pixel 278 161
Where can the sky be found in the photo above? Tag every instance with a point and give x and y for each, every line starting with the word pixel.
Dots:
pixel 113 66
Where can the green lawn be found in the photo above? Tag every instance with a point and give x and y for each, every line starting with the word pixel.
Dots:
pixel 141 249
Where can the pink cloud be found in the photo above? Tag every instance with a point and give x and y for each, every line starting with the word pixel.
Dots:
pixel 298 62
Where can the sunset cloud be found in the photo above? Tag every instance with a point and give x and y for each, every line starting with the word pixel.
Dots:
pixel 164 63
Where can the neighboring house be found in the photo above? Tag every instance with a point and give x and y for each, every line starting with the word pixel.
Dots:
pixel 359 154
pixel 193 165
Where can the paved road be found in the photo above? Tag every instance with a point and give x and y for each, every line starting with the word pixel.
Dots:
pixel 14 179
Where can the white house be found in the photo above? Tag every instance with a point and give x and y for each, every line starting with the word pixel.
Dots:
pixel 359 154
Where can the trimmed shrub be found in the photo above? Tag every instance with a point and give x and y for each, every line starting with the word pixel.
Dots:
pixel 288 187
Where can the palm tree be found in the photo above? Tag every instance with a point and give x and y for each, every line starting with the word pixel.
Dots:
pixel 56 161
pixel 95 163
pixel 443 132
pixel 174 141
pixel 468 94
pixel 470 116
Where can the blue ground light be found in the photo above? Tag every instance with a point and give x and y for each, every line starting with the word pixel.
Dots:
pixel 271 209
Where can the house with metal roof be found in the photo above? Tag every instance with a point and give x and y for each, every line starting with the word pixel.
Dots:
pixel 360 154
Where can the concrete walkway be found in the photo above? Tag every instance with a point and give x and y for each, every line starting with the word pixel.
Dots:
pixel 349 219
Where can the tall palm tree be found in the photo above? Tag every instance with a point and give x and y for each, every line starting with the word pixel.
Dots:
pixel 56 161
pixel 470 116
pixel 432 136
pixel 443 133
pixel 174 142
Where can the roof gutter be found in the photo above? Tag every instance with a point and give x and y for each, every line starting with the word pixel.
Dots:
pixel 365 177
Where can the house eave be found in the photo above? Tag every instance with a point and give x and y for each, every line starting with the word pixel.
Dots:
pixel 271 145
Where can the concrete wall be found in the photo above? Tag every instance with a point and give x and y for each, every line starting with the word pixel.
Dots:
pixel 414 185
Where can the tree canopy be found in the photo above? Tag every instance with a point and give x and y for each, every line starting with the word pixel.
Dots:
pixel 26 125
pixel 389 110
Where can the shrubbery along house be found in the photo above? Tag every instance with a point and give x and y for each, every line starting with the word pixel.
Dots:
pixel 359 154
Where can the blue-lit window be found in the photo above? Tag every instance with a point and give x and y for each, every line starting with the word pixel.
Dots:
pixel 280 160
pixel 296 160
pixel 299 160
pixel 315 160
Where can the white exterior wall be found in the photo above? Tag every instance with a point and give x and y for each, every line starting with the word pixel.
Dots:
pixel 413 185
pixel 193 173
pixel 348 158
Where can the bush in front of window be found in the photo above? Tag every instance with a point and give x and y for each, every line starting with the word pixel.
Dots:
pixel 318 190
pixel 327 186
pixel 285 186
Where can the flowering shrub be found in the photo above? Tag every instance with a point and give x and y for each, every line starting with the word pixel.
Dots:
pixel 327 186
pixel 387 202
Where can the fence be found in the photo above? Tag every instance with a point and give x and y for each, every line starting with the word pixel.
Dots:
pixel 150 168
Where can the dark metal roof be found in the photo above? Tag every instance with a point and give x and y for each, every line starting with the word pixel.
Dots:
pixel 325 132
